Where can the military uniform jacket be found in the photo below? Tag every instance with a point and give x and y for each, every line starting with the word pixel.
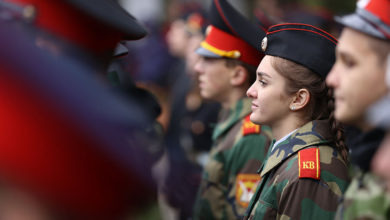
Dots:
pixel 365 198
pixel 303 177
pixel 230 176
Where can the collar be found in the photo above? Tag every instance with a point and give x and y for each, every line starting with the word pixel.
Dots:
pixel 283 139
pixel 313 133
pixel 231 116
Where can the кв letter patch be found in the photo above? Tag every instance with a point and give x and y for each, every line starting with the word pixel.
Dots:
pixel 249 128
pixel 309 163
pixel 246 185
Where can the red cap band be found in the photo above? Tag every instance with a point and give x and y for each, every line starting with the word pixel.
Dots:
pixel 225 45
pixel 61 19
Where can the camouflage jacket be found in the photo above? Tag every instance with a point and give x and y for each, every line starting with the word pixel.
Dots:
pixel 303 177
pixel 365 198
pixel 230 176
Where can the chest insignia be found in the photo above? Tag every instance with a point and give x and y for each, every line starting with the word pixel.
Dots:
pixel 246 185
pixel 249 128
pixel 309 163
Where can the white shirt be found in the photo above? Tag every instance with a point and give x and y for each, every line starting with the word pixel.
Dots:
pixel 282 139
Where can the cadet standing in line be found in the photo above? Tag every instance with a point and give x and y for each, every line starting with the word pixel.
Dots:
pixel 358 79
pixel 305 172
pixel 226 69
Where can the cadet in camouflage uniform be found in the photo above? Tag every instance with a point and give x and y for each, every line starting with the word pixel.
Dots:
pixel 226 69
pixel 305 172
pixel 358 79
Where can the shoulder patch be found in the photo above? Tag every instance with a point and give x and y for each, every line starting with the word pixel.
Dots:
pixel 249 128
pixel 246 185
pixel 309 163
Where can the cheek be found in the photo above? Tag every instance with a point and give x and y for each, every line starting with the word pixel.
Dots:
pixel 266 102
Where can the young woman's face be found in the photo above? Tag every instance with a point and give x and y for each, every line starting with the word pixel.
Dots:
pixel 270 103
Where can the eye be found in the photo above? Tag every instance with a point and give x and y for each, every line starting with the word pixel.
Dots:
pixel 262 82
pixel 348 61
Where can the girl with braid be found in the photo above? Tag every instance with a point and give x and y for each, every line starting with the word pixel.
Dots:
pixel 305 171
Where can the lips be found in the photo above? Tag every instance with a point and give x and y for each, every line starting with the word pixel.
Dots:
pixel 254 106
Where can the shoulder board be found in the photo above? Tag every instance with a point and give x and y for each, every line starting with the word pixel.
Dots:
pixel 309 163
pixel 249 128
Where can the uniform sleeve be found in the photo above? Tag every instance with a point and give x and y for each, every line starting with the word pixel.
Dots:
pixel 307 199
pixel 247 157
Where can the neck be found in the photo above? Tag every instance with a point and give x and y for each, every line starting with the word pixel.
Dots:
pixel 364 126
pixel 287 125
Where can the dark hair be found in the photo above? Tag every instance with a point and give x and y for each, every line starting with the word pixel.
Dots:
pixel 249 68
pixel 321 103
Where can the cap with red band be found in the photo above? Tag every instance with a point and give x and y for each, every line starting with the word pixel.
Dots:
pixel 303 44
pixel 231 35
pixel 94 25
pixel 371 17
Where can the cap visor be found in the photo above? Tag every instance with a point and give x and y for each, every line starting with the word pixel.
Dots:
pixel 112 14
pixel 206 53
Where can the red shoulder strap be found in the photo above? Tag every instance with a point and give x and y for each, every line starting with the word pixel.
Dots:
pixel 249 128
pixel 309 163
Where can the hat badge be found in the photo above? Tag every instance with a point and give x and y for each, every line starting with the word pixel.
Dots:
pixel 264 44
pixel 208 30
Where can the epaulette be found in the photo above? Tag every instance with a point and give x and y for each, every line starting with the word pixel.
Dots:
pixel 249 128
pixel 309 163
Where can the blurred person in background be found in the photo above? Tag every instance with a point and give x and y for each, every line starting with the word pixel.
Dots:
pixel 229 56
pixel 188 135
pixel 358 79
pixel 71 146
pixel 379 115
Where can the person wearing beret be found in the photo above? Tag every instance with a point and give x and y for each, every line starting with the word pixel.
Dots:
pixel 229 57
pixel 358 79
pixel 305 172
pixel 69 144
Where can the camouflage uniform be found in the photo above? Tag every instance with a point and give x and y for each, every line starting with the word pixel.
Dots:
pixel 365 198
pixel 230 178
pixel 282 194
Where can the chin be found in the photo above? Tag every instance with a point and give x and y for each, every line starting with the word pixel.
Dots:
pixel 339 116
pixel 255 119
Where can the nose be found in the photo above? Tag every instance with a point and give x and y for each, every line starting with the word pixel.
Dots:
pixel 332 78
pixel 198 67
pixel 252 92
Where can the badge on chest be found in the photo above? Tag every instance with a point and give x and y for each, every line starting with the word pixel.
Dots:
pixel 246 185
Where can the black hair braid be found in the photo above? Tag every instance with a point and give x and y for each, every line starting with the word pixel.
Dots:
pixel 336 128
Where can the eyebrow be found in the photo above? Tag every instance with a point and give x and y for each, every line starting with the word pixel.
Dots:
pixel 262 74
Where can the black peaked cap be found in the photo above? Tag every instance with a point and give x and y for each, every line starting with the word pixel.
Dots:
pixel 112 14
pixel 223 16
pixel 303 44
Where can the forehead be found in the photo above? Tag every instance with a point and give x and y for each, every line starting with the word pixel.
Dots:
pixel 354 43
pixel 265 64
pixel 267 68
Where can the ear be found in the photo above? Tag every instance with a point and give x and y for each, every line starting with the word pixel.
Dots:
pixel 300 99
pixel 238 76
